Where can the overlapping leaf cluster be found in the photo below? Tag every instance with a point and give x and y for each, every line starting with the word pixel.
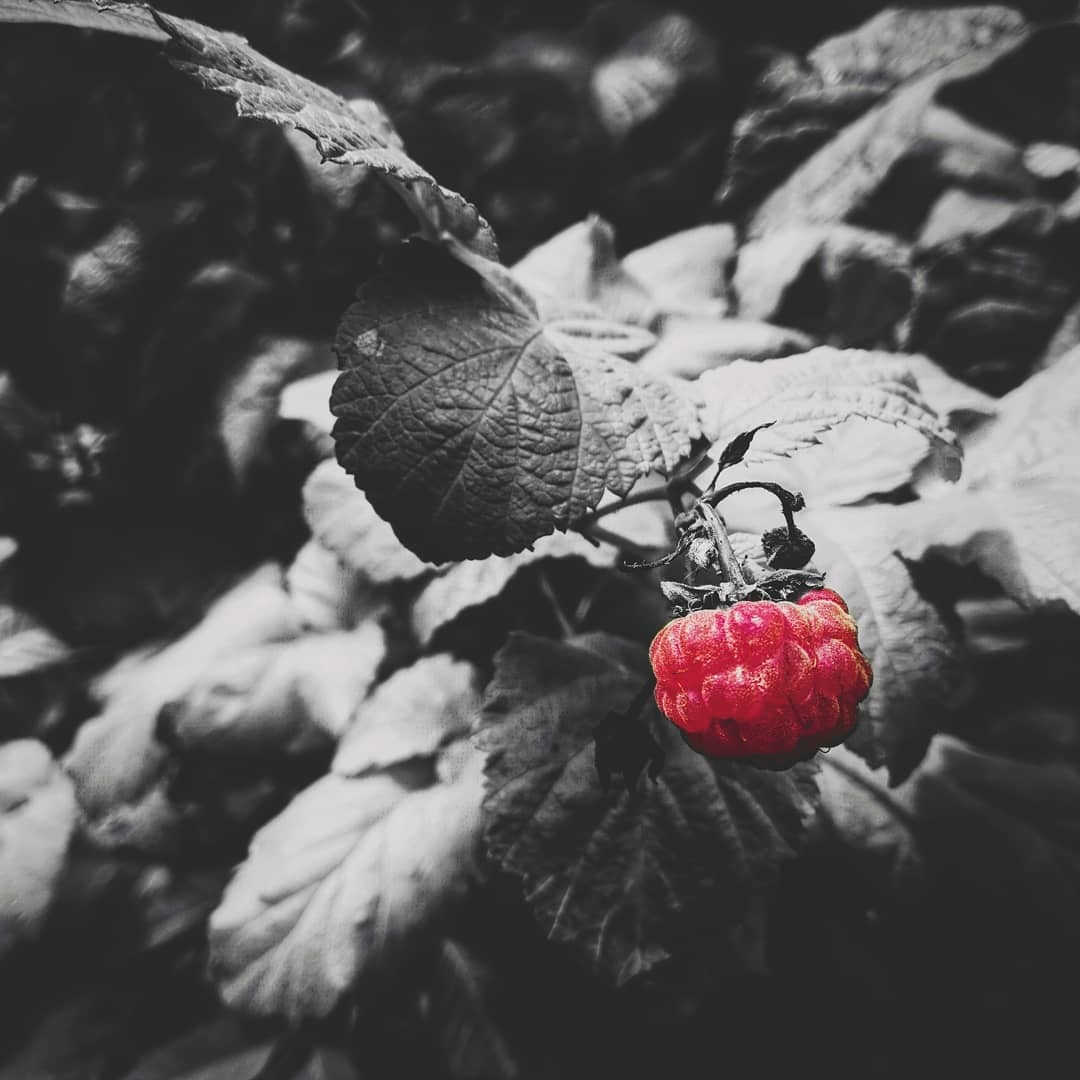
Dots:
pixel 278 747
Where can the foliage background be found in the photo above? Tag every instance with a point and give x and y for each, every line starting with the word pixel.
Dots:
pixel 205 629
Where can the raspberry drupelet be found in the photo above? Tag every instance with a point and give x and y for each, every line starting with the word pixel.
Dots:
pixel 762 681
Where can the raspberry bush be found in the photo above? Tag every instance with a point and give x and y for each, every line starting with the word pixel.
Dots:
pixel 469 633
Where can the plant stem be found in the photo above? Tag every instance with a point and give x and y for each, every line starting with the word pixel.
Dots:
pixel 729 561
pixel 597 535
pixel 789 501
pixel 651 495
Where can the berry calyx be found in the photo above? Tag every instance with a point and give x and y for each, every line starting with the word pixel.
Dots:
pixel 763 681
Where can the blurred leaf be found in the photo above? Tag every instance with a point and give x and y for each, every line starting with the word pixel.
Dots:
pixel 472 431
pixel 275 700
pixel 687 273
pixel 25 645
pixel 174 903
pixel 638 81
pixel 327 594
pixel 798 104
pixel 461 1010
pixel 308 399
pixel 247 407
pixel 222 1050
pixel 690 346
pixel 995 840
pixel 467 585
pixel 118 766
pixel 37 818
pixel 412 714
pixel 950 398
pixel 627 881
pixel 920 674
pixel 844 285
pixel 843 175
pixel 78 1038
pixel 341 889
pixel 578 270
pixel 191 349
pixel 343 520
pixel 994 278
pixel 1066 338
pixel 1025 537
pixel 347 133
pixel 807 395
pixel 872 818
pixel 1036 434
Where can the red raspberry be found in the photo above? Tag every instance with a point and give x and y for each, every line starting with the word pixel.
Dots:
pixel 763 681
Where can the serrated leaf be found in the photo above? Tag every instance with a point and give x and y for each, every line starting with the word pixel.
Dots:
pixel 467 585
pixel 278 699
pixel 855 461
pixel 37 819
pixel 354 132
pixel 341 888
pixel 470 431
pixel 25 645
pixel 345 133
pixel 577 271
pixel 920 677
pixel 116 762
pixel 1027 538
pixel 810 394
pixel 414 713
pixel 132 20
pixel 343 520
pixel 626 882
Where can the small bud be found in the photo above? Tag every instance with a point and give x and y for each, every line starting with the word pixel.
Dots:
pixel 787 550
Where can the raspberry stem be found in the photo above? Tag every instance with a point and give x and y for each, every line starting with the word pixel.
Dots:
pixel 790 501
pixel 729 566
